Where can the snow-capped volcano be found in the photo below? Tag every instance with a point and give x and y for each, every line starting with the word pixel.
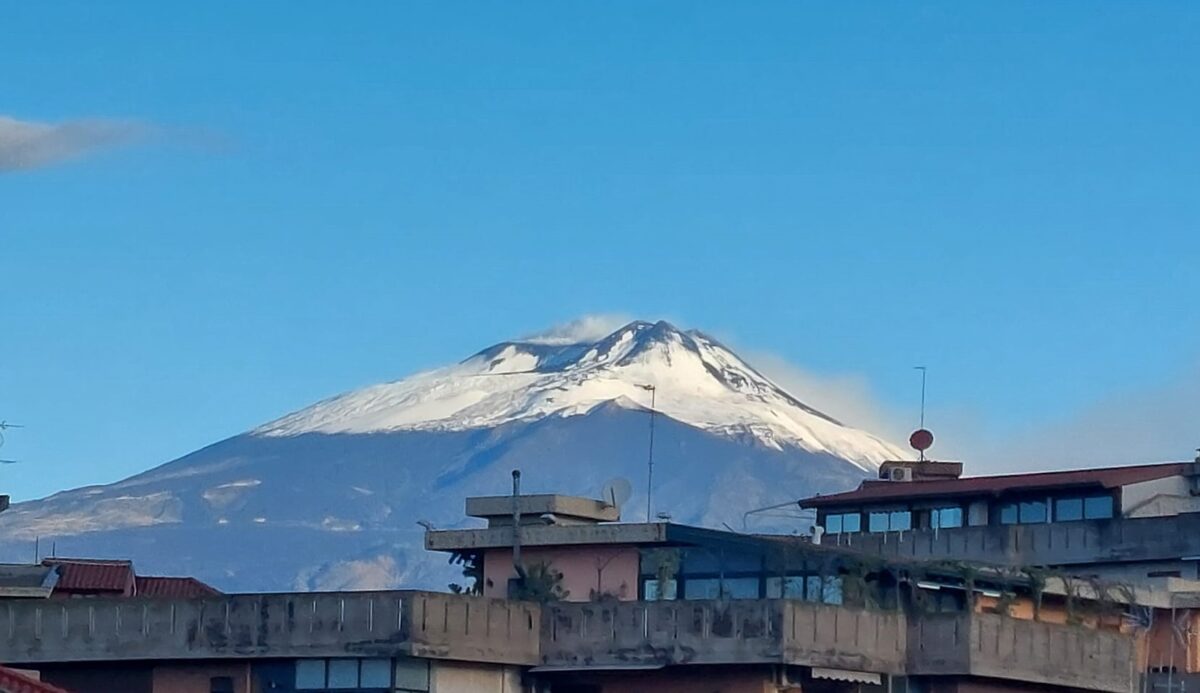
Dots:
pixel 695 380
pixel 330 496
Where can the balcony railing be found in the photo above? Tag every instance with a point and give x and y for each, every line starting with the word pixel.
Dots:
pixel 330 624
pixel 568 635
pixel 1056 543
pixel 721 632
pixel 993 646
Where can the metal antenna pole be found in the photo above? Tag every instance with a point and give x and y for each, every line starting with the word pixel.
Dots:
pixel 922 426
pixel 650 459
pixel 923 370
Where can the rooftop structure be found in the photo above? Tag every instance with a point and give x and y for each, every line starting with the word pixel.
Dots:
pixel 403 641
pixel 541 509
pixel 27 581
pixel 95 577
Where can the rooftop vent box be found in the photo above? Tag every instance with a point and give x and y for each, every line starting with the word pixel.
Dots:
pixel 908 470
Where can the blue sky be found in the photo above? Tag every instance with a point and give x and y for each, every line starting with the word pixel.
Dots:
pixel 281 201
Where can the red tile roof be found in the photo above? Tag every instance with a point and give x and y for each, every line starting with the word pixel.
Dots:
pixel 1101 478
pixel 174 587
pixel 14 682
pixel 89 576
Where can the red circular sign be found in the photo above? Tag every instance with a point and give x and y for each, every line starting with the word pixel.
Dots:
pixel 921 439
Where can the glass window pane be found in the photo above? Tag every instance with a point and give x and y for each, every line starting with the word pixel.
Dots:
pixel 654 590
pixel 741 588
pixel 412 674
pixel 900 520
pixel 343 673
pixel 1098 508
pixel 310 674
pixel 852 522
pixel 791 587
pixel 833 524
pixel 944 518
pixel 376 673
pixel 812 591
pixel 832 591
pixel 1068 509
pixel 1033 512
pixel 1008 514
pixel 702 588
pixel 878 522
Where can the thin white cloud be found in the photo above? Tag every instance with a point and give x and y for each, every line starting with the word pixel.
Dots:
pixel 588 328
pixel 1153 424
pixel 847 398
pixel 26 144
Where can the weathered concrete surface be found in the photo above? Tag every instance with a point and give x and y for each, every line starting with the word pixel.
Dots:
pixel 456 629
pixel 1062 543
pixel 845 638
pixel 570 509
pixel 548 535
pixel 722 632
pixel 992 646
pixel 366 624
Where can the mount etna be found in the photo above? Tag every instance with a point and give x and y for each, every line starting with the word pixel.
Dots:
pixel 330 496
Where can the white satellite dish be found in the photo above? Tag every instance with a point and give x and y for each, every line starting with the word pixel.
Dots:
pixel 616 492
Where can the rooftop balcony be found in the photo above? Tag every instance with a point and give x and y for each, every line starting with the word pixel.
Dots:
pixel 998 647
pixel 1059 543
pixel 331 624
pixel 579 636
pixel 623 635
pixel 582 635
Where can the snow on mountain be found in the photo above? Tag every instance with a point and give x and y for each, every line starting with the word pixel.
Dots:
pixel 330 496
pixel 697 381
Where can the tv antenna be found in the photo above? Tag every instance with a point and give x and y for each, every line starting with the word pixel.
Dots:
pixel 4 426
pixel 650 460
pixel 923 370
pixel 921 439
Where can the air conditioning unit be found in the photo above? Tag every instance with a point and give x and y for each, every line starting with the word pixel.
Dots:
pixel 900 474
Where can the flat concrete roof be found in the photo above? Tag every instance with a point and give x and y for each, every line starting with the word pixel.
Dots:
pixel 546 535
pixel 501 507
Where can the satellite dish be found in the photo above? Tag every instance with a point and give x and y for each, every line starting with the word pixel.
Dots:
pixel 921 440
pixel 616 492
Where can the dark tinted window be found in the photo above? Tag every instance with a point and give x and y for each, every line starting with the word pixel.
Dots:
pixel 1032 512
pixel 1008 514
pixel 1098 508
pixel 946 517
pixel 1068 509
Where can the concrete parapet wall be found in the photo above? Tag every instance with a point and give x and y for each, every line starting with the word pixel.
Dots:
pixel 845 638
pixel 1058 543
pixel 999 647
pixel 372 624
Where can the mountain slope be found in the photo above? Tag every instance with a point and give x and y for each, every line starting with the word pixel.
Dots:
pixel 329 496
pixel 697 381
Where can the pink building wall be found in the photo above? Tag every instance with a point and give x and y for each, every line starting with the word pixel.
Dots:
pixel 586 569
